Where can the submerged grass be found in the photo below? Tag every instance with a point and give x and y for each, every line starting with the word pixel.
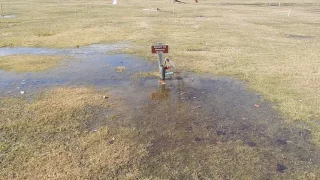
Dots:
pixel 29 63
pixel 147 74
pixel 54 137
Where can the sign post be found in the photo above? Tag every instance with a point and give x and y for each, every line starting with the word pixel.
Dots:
pixel 160 50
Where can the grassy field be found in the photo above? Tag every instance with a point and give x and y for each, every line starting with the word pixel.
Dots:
pixel 250 40
pixel 273 47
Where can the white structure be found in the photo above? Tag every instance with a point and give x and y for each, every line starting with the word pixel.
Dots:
pixel 115 2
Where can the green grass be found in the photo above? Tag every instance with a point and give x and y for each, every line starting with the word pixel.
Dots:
pixel 29 63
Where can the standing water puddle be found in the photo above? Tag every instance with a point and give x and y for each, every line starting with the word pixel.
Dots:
pixel 185 119
pixel 90 65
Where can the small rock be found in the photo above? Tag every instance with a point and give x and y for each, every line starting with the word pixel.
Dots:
pixel 197 139
pixel 257 105
pixel 105 97
pixel 281 168
pixel 251 144
pixel 281 141
pixel 220 133
pixel 198 107
pixel 22 92
pixel 112 140
pixel 189 128
pixel 305 133
pixel 219 142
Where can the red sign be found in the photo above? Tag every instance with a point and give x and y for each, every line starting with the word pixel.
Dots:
pixel 159 49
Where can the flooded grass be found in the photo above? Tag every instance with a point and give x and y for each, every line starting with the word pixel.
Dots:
pixel 147 74
pixel 198 125
pixel 29 63
pixel 89 65
pixel 185 129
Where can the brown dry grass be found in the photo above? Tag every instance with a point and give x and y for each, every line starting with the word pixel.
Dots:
pixel 51 138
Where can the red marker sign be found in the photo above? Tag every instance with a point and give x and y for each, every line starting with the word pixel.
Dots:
pixel 158 49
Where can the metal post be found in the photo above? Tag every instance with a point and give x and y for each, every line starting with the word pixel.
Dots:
pixel 160 58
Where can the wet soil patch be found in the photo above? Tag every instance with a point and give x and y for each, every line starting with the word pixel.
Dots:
pixel 281 141
pixel 220 133
pixel 251 144
pixel 281 168
pixel 227 114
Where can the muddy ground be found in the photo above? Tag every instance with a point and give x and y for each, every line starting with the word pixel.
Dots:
pixel 195 126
